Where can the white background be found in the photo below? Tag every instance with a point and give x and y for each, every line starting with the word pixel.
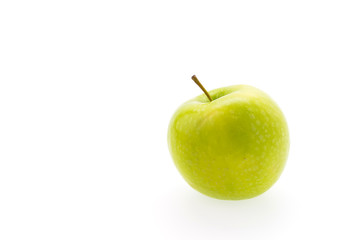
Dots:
pixel 87 89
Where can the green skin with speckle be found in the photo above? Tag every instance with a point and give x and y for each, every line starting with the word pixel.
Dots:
pixel 232 148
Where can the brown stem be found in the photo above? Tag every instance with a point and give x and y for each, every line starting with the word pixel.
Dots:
pixel 196 80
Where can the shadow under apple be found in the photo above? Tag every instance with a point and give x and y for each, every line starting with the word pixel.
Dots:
pixel 197 214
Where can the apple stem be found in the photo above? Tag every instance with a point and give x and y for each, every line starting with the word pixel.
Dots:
pixel 196 80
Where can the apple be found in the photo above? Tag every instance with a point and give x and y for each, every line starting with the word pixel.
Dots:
pixel 230 143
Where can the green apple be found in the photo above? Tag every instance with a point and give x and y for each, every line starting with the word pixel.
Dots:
pixel 229 143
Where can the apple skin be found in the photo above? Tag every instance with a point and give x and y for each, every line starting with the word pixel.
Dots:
pixel 232 148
